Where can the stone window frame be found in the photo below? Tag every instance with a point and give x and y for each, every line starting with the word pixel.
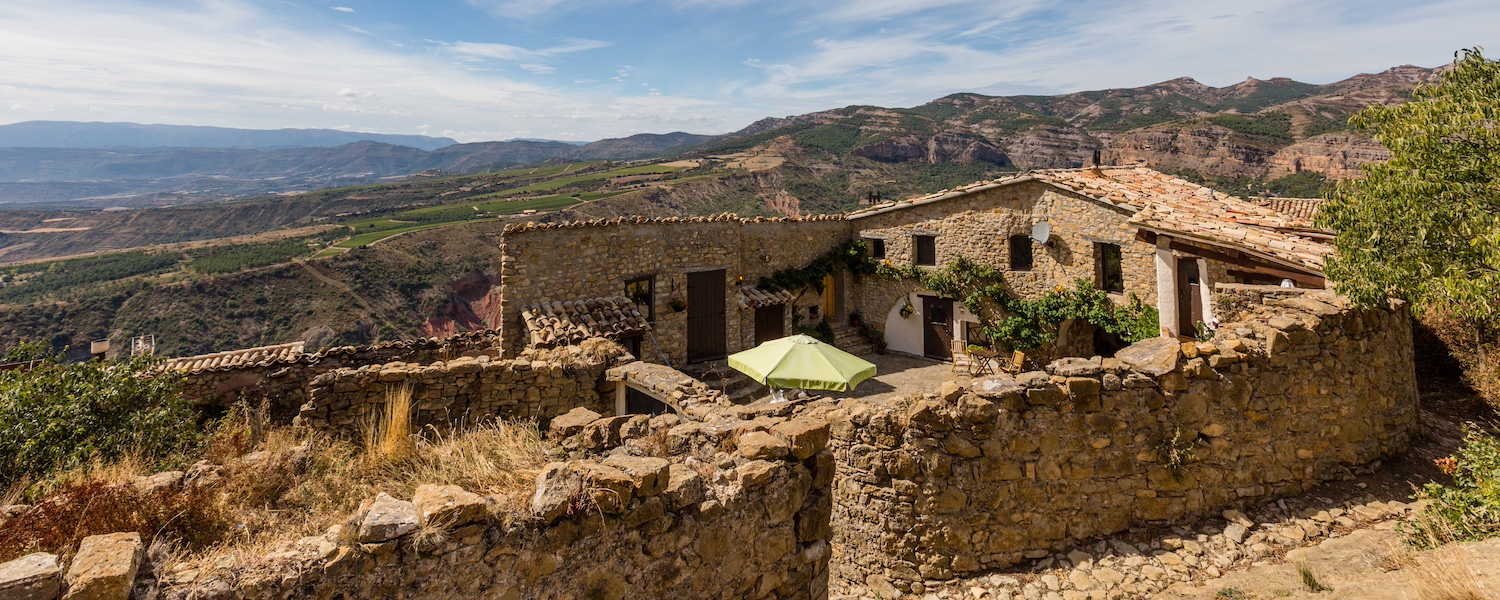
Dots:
pixel 1101 277
pixel 1013 246
pixel 877 247
pixel 917 240
pixel 650 281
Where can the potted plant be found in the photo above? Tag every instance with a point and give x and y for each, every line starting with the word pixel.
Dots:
pixel 856 320
pixel 906 308
pixel 677 304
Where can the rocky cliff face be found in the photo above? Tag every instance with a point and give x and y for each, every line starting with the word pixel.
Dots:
pixel 1335 155
pixel 1210 150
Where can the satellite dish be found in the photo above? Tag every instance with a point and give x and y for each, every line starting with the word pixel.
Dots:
pixel 1041 232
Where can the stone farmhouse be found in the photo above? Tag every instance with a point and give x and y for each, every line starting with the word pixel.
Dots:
pixel 694 495
pixel 683 291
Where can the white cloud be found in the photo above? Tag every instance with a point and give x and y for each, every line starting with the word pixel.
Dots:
pixel 233 63
pixel 342 9
pixel 537 69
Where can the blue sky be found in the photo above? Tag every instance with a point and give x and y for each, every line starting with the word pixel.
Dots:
pixel 588 69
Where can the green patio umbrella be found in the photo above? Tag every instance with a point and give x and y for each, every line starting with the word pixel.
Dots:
pixel 802 362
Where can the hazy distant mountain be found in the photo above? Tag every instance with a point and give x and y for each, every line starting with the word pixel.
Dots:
pixel 69 134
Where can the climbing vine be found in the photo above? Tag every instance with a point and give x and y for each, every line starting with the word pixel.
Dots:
pixel 852 255
pixel 1019 324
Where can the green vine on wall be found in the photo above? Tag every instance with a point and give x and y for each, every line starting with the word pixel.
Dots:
pixel 1018 324
pixel 852 255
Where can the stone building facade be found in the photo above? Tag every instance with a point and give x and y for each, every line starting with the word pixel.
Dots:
pixel 598 259
pixel 986 225
pixel 1131 231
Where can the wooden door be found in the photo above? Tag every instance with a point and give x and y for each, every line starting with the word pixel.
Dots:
pixel 1189 297
pixel 770 323
pixel 830 299
pixel 705 315
pixel 937 328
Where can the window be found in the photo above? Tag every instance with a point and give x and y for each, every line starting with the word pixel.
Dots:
pixel 1020 253
pixel 1107 270
pixel 877 248
pixel 642 292
pixel 925 249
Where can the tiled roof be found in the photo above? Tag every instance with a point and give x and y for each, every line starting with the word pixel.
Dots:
pixel 1170 205
pixel 754 297
pixel 720 218
pixel 1299 208
pixel 247 357
pixel 562 323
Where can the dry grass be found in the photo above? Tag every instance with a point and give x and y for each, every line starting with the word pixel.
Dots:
pixel 388 434
pixel 291 484
pixel 1444 573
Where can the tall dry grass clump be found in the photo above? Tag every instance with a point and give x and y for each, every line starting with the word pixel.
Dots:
pixel 1444 573
pixel 388 434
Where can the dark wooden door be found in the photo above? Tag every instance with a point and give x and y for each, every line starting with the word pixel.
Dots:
pixel 770 323
pixel 937 330
pixel 705 315
pixel 1189 297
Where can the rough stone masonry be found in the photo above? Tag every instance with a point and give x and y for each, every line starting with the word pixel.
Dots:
pixel 1296 388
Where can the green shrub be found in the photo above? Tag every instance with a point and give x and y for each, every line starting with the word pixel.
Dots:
pixel 1467 509
pixel 58 417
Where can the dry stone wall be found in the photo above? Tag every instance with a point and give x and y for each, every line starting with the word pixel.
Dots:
pixel 282 384
pixel 737 509
pixel 535 386
pixel 1296 389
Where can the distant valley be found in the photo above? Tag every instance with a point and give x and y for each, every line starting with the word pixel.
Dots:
pixel 399 238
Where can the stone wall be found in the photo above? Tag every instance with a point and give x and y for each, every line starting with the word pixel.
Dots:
pixel 701 522
pixel 1295 389
pixel 594 259
pixel 536 386
pixel 282 383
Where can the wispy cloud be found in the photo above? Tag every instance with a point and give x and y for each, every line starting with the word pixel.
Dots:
pixel 342 9
pixel 508 52
pixel 230 62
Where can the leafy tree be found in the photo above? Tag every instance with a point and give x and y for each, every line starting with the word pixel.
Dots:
pixel 57 417
pixel 1425 225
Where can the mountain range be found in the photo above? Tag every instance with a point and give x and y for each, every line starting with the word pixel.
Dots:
pixel 70 134
pixel 1254 131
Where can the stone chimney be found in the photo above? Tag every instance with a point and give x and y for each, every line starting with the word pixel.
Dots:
pixel 1093 169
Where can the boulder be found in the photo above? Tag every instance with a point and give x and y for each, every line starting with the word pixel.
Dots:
pixel 610 488
pixel 32 577
pixel 572 422
pixel 1075 367
pixel 151 484
pixel 1157 356
pixel 448 505
pixel 996 387
pixel 759 445
pixel 105 566
pixel 556 486
pixel 650 475
pixel 388 519
pixel 684 486
pixel 805 436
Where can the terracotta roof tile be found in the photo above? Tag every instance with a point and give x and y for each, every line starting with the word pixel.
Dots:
pixel 754 297
pixel 1303 209
pixel 247 357
pixel 723 218
pixel 1172 205
pixel 561 323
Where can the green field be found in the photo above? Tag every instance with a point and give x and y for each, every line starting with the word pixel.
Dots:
pixel 372 230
